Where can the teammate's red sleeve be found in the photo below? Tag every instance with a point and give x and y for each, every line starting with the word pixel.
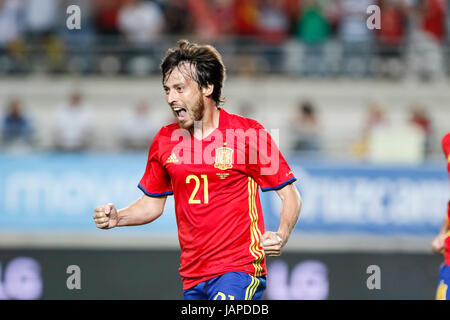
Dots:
pixel 156 181
pixel 269 169
pixel 446 149
pixel 448 212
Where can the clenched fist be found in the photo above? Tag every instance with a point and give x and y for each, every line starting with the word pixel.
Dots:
pixel 105 217
pixel 272 243
pixel 438 244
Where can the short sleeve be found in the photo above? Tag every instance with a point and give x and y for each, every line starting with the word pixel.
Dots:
pixel 446 149
pixel 156 181
pixel 265 163
pixel 448 211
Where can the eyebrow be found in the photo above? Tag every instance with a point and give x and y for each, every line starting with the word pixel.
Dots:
pixel 174 85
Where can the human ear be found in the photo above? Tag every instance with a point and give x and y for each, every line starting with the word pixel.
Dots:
pixel 208 89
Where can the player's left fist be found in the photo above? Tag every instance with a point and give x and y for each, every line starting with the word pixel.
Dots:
pixel 438 244
pixel 272 243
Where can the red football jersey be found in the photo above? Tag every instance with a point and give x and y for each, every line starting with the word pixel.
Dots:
pixel 447 239
pixel 446 150
pixel 215 185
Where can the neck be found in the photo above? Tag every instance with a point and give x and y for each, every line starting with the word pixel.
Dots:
pixel 209 122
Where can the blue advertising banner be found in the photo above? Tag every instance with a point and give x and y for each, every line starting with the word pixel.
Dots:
pixel 343 197
pixel 58 192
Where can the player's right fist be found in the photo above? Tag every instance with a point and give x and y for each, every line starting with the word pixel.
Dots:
pixel 105 217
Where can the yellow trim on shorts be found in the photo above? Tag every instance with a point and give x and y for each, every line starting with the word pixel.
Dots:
pixel 441 292
pixel 251 289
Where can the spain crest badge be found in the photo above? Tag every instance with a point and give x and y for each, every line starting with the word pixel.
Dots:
pixel 224 158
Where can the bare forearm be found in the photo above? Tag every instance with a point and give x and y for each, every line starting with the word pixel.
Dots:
pixel 290 212
pixel 445 226
pixel 138 213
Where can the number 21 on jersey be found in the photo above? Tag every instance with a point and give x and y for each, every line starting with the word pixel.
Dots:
pixel 194 177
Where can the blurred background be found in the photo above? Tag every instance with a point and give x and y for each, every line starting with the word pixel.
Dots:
pixel 359 113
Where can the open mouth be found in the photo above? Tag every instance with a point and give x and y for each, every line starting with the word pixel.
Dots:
pixel 180 112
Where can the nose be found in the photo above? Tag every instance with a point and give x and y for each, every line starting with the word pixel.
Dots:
pixel 171 96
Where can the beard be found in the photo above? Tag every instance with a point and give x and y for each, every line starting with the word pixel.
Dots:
pixel 195 114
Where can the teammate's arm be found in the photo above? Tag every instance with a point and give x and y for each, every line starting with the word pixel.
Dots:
pixel 144 210
pixel 273 242
pixel 438 244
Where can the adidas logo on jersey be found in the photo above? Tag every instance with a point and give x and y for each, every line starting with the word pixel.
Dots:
pixel 172 159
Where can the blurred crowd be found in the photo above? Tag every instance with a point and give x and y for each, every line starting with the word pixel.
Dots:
pixel 305 37
pixel 383 140
pixel 74 129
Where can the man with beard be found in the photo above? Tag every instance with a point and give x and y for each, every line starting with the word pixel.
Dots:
pixel 213 162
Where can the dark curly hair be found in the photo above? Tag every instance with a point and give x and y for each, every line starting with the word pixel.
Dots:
pixel 206 62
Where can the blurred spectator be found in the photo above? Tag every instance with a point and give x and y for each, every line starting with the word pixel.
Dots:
pixel 263 34
pixel 246 17
pixel 41 19
pixel 353 16
pixel 41 16
pixel 433 18
pixel 273 22
pixel 420 119
pixel 293 10
pixel 355 36
pixel 79 42
pixel 392 142
pixel 73 125
pixel 137 129
pixel 223 12
pixel 177 21
pixel 273 31
pixel 375 118
pixel 105 16
pixel 313 27
pixel 305 128
pixel 425 54
pixel 393 22
pixel 12 26
pixel 433 25
pixel 207 24
pixel 140 21
pixel 313 30
pixel 391 37
pixel 16 127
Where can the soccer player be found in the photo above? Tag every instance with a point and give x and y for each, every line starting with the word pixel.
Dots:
pixel 441 244
pixel 213 163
